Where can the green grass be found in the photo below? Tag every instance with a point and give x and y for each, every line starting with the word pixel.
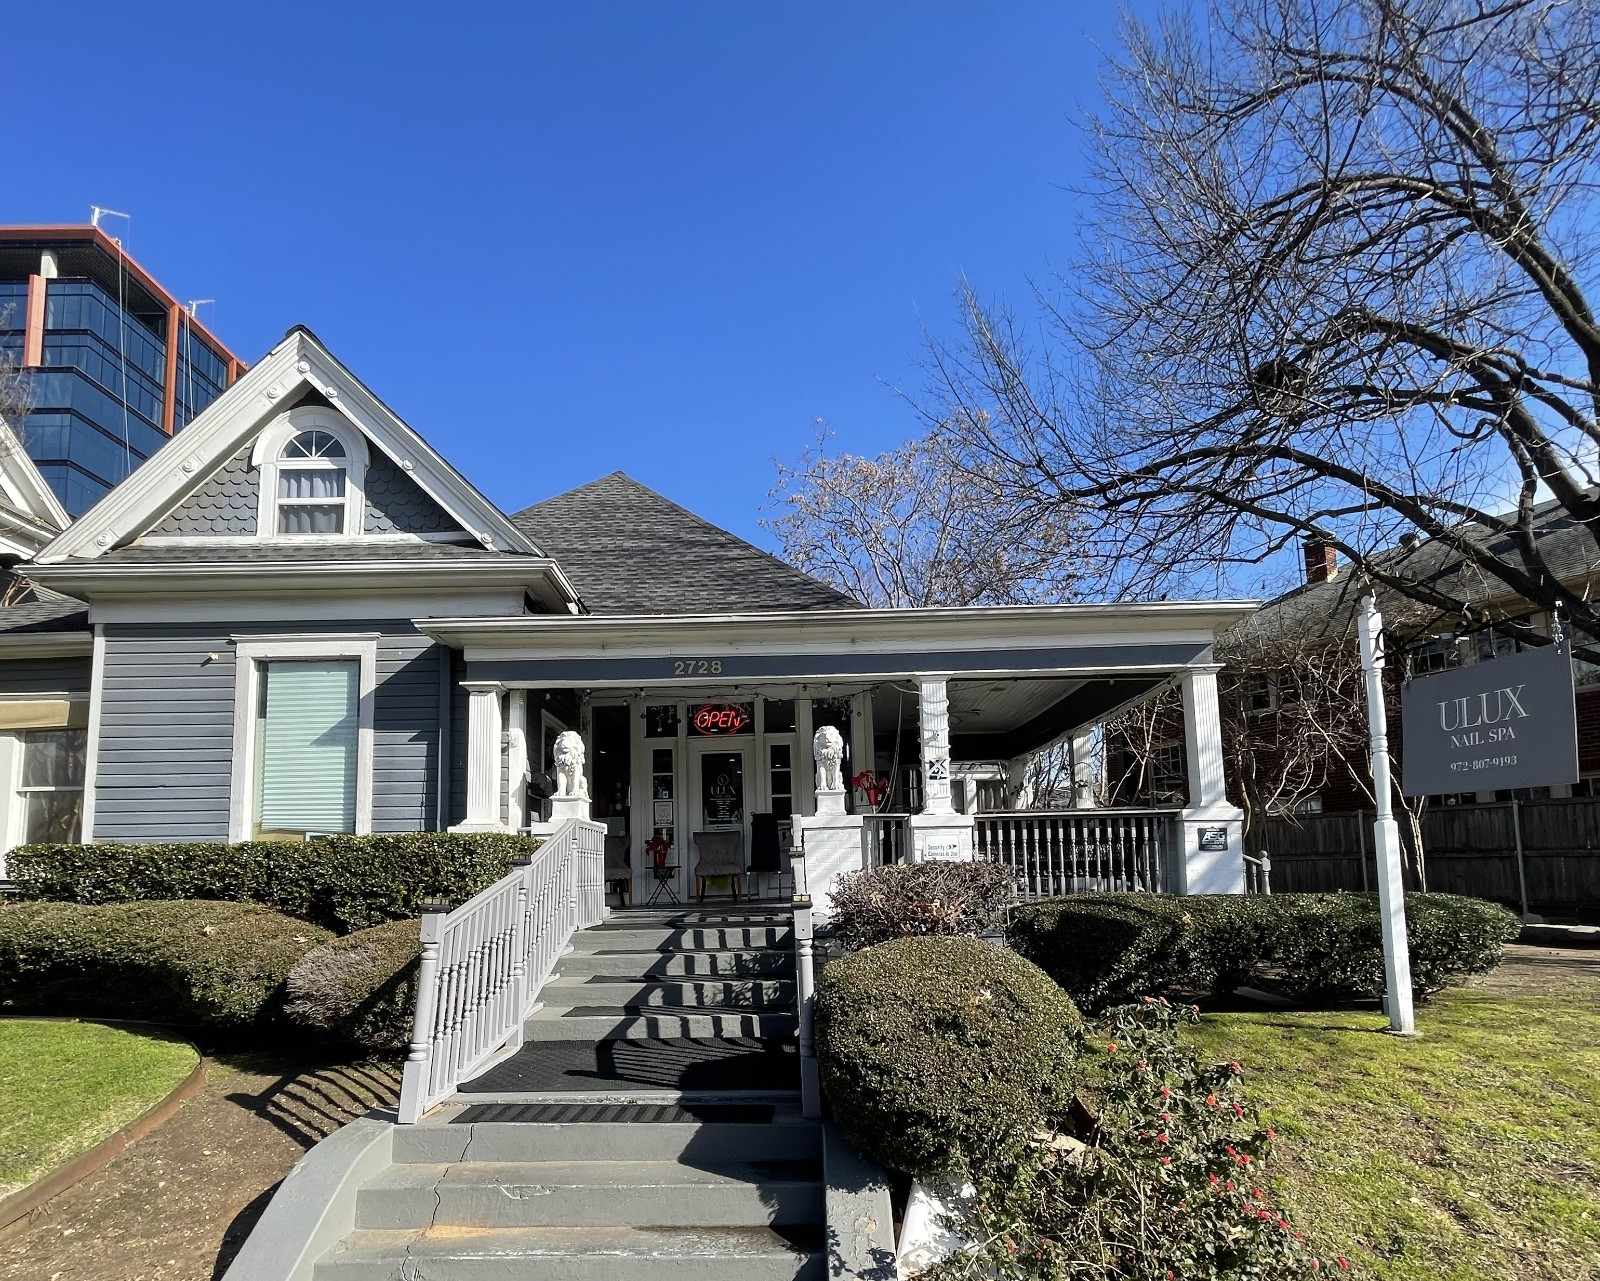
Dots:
pixel 1472 1153
pixel 64 1087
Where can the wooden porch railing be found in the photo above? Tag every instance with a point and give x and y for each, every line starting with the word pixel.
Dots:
pixel 484 962
pixel 1052 852
pixel 888 839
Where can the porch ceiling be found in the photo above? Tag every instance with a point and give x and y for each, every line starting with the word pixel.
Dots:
pixel 1000 720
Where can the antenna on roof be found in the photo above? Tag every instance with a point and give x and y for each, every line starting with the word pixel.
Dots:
pixel 97 212
pixel 194 305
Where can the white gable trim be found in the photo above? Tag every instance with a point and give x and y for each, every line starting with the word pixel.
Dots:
pixel 265 459
pixel 222 429
pixel 37 515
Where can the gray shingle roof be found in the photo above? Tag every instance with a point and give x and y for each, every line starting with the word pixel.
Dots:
pixel 628 550
pixel 43 611
pixel 1329 609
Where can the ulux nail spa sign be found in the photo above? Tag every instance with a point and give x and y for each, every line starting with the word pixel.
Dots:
pixel 1507 722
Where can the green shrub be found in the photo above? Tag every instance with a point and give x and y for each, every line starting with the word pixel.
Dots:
pixel 342 882
pixel 1160 1177
pixel 361 988
pixel 877 904
pixel 219 964
pixel 941 1053
pixel 1102 948
pixel 1108 948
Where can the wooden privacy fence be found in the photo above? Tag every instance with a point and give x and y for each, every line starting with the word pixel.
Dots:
pixel 1468 849
pixel 1054 852
pixel 484 962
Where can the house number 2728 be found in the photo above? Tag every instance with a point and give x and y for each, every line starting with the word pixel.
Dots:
pixel 697 667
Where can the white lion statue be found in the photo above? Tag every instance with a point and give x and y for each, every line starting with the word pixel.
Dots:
pixel 569 765
pixel 827 747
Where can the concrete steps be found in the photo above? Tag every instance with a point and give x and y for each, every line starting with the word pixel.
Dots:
pixel 577 1254
pixel 613 1190
pixel 586 1001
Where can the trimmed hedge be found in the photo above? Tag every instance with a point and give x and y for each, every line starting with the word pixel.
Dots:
pixel 942 1053
pixel 877 904
pixel 344 883
pixel 1109 948
pixel 361 988
pixel 218 964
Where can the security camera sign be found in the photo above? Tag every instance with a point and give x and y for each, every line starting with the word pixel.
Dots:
pixel 1503 723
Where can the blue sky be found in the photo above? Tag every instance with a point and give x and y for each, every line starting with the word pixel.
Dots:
pixel 564 239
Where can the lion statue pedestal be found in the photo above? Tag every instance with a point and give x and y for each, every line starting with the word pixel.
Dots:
pixel 827 750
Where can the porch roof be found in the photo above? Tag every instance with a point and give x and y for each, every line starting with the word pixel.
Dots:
pixel 1092 640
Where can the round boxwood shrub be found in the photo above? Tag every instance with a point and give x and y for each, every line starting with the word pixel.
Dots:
pixel 943 1053
pixel 361 988
pixel 218 964
pixel 1104 949
pixel 876 904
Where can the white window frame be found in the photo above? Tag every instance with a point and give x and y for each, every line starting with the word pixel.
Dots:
pixel 250 655
pixel 267 458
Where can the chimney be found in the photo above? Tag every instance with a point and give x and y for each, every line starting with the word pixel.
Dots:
pixel 1322 562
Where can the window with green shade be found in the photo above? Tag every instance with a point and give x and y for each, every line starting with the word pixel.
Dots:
pixel 307 739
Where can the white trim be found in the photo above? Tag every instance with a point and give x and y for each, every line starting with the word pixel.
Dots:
pixel 456 537
pixel 230 422
pixel 248 657
pixel 46 645
pixel 39 512
pixel 267 458
pixel 91 751
pixel 10 809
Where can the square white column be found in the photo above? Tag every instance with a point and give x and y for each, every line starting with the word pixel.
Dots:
pixel 484 747
pixel 938 832
pixel 1210 829
pixel 517 759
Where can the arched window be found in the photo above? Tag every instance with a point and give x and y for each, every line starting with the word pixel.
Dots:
pixel 312 474
pixel 313 465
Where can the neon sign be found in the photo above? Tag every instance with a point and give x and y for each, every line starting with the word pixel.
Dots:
pixel 717 719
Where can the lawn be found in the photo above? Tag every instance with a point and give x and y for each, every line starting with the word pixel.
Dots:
pixel 1470 1153
pixel 65 1086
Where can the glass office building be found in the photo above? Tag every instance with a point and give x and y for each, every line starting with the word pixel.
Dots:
pixel 113 364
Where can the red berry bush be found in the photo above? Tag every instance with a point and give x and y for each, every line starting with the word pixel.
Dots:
pixel 1157 1176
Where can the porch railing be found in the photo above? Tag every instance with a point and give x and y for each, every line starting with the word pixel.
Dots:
pixel 1258 873
pixel 1052 852
pixel 888 838
pixel 484 962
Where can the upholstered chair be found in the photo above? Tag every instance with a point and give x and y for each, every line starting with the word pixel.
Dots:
pixel 717 855
pixel 619 876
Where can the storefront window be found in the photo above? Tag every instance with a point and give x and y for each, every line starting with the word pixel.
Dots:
pixel 52 785
pixel 661 720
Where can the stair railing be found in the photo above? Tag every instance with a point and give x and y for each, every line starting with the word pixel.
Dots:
pixel 484 962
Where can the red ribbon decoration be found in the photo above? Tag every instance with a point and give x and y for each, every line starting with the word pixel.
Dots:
pixel 658 847
pixel 876 786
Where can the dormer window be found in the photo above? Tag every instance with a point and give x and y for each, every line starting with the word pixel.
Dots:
pixel 312 473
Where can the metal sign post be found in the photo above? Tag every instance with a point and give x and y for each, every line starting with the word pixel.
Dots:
pixel 1386 832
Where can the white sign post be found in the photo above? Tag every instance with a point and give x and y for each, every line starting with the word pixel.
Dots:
pixel 1386 832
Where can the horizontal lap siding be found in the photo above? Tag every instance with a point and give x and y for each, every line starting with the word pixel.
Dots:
pixel 166 736
pixel 45 675
pixel 166 730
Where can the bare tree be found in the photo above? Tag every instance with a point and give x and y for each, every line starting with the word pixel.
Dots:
pixel 910 528
pixel 1336 287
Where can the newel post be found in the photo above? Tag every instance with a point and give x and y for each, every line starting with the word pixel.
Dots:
pixel 806 1004
pixel 419 1056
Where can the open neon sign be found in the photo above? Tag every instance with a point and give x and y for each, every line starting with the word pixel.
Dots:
pixel 722 718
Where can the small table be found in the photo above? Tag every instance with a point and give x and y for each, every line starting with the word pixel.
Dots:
pixel 665 874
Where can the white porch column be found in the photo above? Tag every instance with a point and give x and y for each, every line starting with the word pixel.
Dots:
pixel 1212 829
pixel 1083 771
pixel 483 760
pixel 938 832
pixel 517 759
pixel 1019 796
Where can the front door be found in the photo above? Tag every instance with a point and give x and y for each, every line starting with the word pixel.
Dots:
pixel 719 794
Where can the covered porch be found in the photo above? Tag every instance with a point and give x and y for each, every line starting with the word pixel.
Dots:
pixel 700 735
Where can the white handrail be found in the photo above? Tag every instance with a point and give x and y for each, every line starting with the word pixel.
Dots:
pixel 483 963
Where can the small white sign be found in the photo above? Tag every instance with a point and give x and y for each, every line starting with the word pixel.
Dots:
pixel 942 847
pixel 663 814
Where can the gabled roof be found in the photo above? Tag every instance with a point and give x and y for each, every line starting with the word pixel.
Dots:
pixel 297 363
pixel 1328 610
pixel 628 550
pixel 30 513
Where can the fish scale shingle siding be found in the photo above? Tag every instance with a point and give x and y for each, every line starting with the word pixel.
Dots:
pixel 166 731
pixel 224 504
pixel 397 505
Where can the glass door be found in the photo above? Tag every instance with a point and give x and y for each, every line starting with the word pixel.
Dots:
pixel 718 795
